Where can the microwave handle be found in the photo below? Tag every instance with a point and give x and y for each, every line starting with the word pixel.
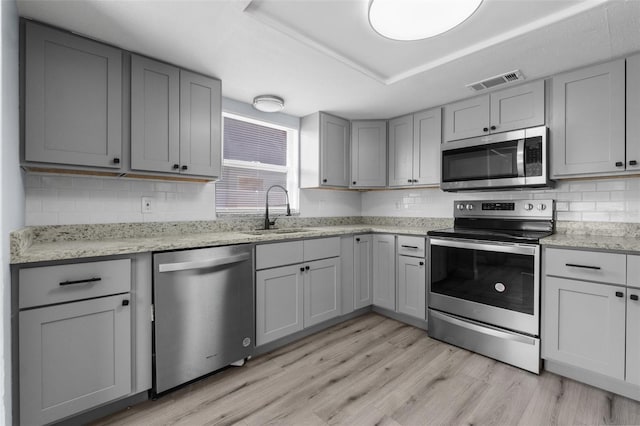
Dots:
pixel 520 158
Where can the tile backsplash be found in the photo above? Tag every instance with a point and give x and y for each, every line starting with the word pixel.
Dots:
pixel 601 200
pixel 61 200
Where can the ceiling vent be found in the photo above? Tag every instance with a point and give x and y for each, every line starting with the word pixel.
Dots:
pixel 508 77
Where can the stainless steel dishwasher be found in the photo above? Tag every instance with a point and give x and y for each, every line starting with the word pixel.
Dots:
pixel 203 312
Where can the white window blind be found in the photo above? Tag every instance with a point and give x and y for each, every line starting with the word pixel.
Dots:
pixel 256 155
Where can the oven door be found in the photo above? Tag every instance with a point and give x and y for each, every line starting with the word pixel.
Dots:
pixel 491 282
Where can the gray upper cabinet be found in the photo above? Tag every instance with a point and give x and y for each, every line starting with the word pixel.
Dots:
pixel 200 125
pixel 466 119
pixel 73 99
pixel 517 107
pixel 175 120
pixel 401 151
pixel 324 151
pixel 588 132
pixel 633 114
pixel 155 115
pixel 414 149
pixel 368 154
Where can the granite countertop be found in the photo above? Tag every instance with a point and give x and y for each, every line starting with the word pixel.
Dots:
pixel 39 244
pixel 64 242
pixel 609 236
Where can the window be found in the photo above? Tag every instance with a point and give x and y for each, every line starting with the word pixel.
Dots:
pixel 257 155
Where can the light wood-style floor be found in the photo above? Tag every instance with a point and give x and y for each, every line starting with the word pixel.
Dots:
pixel 376 371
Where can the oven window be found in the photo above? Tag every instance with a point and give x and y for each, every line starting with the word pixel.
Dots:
pixel 491 161
pixel 502 280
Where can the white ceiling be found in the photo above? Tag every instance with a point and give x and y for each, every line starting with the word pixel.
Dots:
pixel 322 54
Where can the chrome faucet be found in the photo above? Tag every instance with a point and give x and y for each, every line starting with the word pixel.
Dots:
pixel 267 222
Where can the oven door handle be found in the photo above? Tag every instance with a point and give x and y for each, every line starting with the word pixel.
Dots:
pixel 520 158
pixel 526 249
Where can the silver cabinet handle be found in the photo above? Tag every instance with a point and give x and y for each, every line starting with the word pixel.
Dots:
pixel 206 263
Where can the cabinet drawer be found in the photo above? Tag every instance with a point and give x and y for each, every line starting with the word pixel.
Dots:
pixel 63 283
pixel 411 246
pixel 586 265
pixel 321 248
pixel 633 271
pixel 278 254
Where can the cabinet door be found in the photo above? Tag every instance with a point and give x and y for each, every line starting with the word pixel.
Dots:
pixel 466 119
pixel 411 286
pixel 362 270
pixel 73 357
pixel 401 152
pixel 334 151
pixel 155 115
pixel 347 274
pixel 632 374
pixel 322 291
pixel 200 125
pixel 588 120
pixel 585 325
pixel 368 154
pixel 384 271
pixel 427 138
pixel 518 107
pixel 279 301
pixel 633 113
pixel 73 99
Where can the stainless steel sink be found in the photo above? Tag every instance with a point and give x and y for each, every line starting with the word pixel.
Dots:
pixel 276 231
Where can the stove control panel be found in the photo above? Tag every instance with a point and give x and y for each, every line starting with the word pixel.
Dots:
pixel 543 209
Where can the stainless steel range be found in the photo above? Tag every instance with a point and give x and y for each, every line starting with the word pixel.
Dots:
pixel 484 286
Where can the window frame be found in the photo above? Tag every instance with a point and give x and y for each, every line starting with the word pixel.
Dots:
pixel 292 169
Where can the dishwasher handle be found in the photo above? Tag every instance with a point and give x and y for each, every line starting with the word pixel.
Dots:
pixel 205 263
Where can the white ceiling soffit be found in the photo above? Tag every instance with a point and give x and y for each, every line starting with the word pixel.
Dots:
pixel 389 61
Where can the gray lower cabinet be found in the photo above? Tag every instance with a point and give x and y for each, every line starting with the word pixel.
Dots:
pixel 322 291
pixel 363 270
pixel 72 99
pixel 73 357
pixel 305 291
pixel 175 120
pixel 591 316
pixel 384 271
pixel 588 131
pixel 412 286
pixel 585 325
pixel 75 338
pixel 279 302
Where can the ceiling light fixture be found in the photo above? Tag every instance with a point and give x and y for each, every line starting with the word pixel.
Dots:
pixel 407 20
pixel 268 103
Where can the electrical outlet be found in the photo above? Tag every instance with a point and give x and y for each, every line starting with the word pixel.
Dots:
pixel 147 204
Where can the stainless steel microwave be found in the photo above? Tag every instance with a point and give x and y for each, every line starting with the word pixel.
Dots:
pixel 516 159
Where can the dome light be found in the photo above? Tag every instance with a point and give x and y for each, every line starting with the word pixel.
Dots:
pixel 407 20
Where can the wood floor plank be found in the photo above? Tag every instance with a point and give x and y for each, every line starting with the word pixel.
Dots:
pixel 374 370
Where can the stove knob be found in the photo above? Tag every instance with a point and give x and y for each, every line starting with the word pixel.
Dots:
pixel 469 206
pixel 542 207
pixel 460 207
pixel 528 206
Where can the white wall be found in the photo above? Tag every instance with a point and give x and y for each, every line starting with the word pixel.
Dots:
pixel 602 200
pixel 11 196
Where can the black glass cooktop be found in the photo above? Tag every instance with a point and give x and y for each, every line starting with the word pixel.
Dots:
pixel 516 236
